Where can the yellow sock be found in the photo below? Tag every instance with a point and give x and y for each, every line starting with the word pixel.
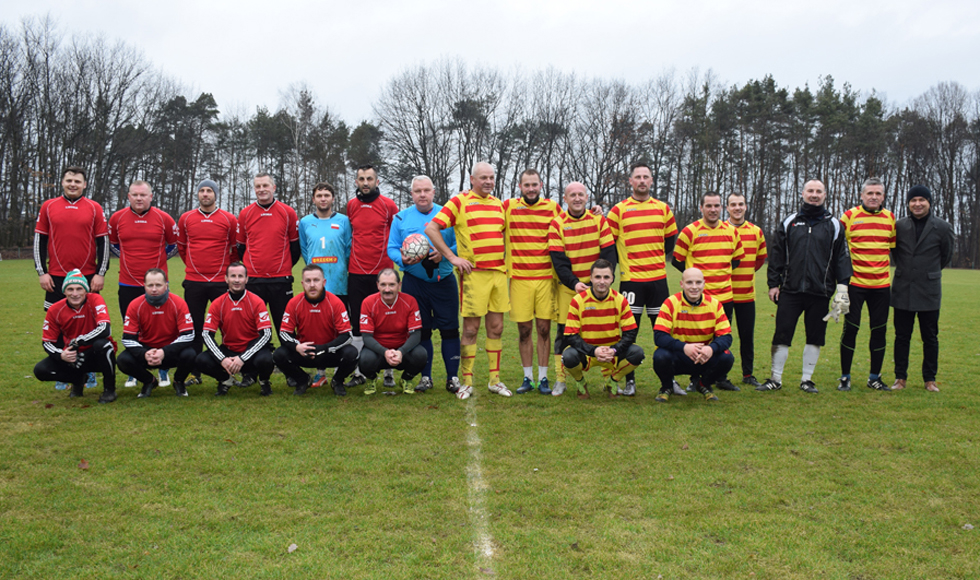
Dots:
pixel 559 369
pixel 494 347
pixel 467 360
pixel 576 372
pixel 622 369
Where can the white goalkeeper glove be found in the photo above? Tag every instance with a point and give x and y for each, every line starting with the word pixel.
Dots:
pixel 840 305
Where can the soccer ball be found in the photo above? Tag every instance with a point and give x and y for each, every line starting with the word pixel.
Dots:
pixel 415 248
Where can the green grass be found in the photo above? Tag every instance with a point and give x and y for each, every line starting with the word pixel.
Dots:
pixel 781 485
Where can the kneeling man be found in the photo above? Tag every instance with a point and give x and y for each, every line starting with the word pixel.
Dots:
pixel 693 336
pixel 316 334
pixel 158 334
pixel 391 326
pixel 600 329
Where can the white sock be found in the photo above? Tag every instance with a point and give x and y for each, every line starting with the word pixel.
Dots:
pixel 542 372
pixel 811 354
pixel 780 352
pixel 528 373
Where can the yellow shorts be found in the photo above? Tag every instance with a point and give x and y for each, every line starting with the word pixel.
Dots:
pixel 530 299
pixel 564 301
pixel 482 291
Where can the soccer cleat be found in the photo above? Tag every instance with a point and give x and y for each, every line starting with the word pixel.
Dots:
pixel 706 392
pixel 611 388
pixel 302 386
pixel 107 396
pixel 266 388
pixel 844 384
pixel 543 387
pixel 91 382
pixel 389 379
pixel 677 390
pixel 663 396
pixel 727 385
pixel 452 385
pixel 130 382
pixel 425 383
pixel 247 381
pixel 319 379
pixel 751 381
pixel 526 387
pixel 500 389
pixel 464 392
pixel 370 386
pixel 180 389
pixel 559 389
pixel 338 388
pixel 629 390
pixel 769 385
pixel 147 389
pixel 164 377
pixel 808 387
pixel 224 386
pixel 877 385
pixel 193 380
pixel 355 381
pixel 77 391
pixel 61 386
pixel 583 389
pixel 405 386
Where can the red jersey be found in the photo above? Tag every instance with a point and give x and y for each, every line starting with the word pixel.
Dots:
pixel 318 323
pixel 267 234
pixel 157 327
pixel 239 322
pixel 62 323
pixel 72 228
pixel 142 241
pixel 206 243
pixel 370 225
pixel 390 325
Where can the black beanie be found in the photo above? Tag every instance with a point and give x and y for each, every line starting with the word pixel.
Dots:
pixel 919 191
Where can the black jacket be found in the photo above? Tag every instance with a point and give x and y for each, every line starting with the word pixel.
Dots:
pixel 919 262
pixel 809 253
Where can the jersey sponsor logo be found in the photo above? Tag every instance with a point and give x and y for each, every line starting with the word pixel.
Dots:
pixel 590 308
pixel 418 316
pixel 46 325
pixel 238 308
pixel 140 222
pixel 188 319
pixel 285 316
pixel 156 312
pixel 126 321
pixel 265 215
pixel 344 316
pixel 324 260
pixel 207 319
pixel 264 316
pixel 364 319
pixel 100 309
pixel 704 235
pixel 390 312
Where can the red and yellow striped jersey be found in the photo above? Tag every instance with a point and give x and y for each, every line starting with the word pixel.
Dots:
pixel 599 322
pixel 527 238
pixel 870 237
pixel 479 226
pixel 711 250
pixel 743 277
pixel 640 228
pixel 580 239
pixel 692 324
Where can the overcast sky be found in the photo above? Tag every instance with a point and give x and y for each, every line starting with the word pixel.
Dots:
pixel 248 53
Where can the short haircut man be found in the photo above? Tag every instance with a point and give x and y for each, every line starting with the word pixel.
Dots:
pixel 743 284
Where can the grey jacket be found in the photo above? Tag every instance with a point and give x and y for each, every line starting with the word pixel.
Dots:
pixel 918 284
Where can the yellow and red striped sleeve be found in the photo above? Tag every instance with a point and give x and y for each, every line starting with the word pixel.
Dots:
pixel 870 238
pixel 743 277
pixel 640 228
pixel 599 322
pixel 692 324
pixel 712 251
pixel 580 239
pixel 527 238
pixel 479 226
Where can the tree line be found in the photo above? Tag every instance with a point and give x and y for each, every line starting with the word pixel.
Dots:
pixel 91 102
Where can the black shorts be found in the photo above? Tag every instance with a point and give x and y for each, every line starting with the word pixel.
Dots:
pixel 359 287
pixel 645 296
pixel 788 310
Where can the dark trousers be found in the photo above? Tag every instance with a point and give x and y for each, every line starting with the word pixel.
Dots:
pixel 644 297
pixel 744 315
pixel 136 365
pixel 276 292
pixel 127 294
pixel 261 364
pixel 877 300
pixel 668 364
pixel 412 363
pixel 359 287
pixel 928 331
pixel 791 305
pixel 292 364
pixel 101 358
pixel 197 295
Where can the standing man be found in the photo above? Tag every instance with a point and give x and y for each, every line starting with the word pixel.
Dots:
pixel 392 328
pixel 645 232
pixel 870 231
pixel 743 284
pixel 246 330
pixel 370 216
pixel 268 242
pixel 325 241
pixel 600 329
pixel 532 277
pixel 713 247
pixel 576 239
pixel 158 333
pixel 206 243
pixel 316 334
pixel 78 339
pixel 809 258
pixel 693 336
pixel 478 218
pixel 430 281
pixel 143 237
pixel 924 246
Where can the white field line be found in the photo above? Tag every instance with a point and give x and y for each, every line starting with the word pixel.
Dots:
pixel 477 491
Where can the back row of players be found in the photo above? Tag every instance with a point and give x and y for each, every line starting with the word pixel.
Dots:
pixel 523 255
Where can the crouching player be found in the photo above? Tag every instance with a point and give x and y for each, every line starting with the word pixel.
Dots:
pixel 158 334
pixel 693 336
pixel 391 326
pixel 600 329
pixel 316 334
pixel 78 340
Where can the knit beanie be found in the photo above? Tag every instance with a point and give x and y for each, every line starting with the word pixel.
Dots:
pixel 209 183
pixel 919 191
pixel 74 277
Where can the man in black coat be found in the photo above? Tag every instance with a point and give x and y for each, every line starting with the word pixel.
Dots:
pixel 923 247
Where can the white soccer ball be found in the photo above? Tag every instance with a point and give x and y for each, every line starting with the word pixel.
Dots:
pixel 415 248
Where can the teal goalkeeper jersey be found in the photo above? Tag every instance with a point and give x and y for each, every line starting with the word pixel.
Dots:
pixel 326 243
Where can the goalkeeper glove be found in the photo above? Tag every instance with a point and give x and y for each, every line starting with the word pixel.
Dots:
pixel 840 305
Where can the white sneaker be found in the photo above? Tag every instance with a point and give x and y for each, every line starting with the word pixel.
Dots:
pixel 678 390
pixel 130 382
pixel 389 382
pixel 464 392
pixel 559 389
pixel 164 377
pixel 500 389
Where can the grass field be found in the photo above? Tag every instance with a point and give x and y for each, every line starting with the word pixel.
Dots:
pixel 859 485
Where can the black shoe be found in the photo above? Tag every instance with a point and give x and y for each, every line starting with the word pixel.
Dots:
pixel 147 389
pixel 107 396
pixel 706 391
pixel 300 387
pixel 751 381
pixel 878 385
pixel 727 385
pixel 77 391
pixel 769 385
pixel 247 381
pixel 338 388
pixel 223 388
pixel 844 384
pixel 180 388
pixel 355 381
pixel 809 387
pixel 266 386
